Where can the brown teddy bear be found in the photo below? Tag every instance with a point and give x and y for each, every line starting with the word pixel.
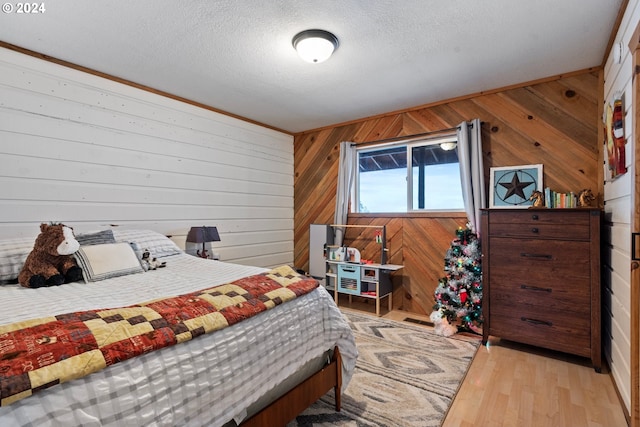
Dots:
pixel 51 263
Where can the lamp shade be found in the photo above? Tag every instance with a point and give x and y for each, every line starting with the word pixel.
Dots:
pixel 203 235
pixel 315 46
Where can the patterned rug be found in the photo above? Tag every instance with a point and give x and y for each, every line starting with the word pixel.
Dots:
pixel 405 376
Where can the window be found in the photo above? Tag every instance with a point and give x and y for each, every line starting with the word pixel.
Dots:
pixel 416 176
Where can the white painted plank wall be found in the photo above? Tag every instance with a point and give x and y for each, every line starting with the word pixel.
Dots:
pixel 616 239
pixel 93 153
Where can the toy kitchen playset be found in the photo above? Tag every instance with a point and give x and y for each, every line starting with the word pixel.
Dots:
pixel 346 272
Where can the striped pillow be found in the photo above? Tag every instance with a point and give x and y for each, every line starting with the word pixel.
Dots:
pixel 97 238
pixel 100 262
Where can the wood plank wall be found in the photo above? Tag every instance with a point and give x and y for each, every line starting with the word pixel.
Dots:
pixel 92 152
pixel 554 122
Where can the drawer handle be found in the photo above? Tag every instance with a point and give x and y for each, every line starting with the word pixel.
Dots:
pixel 534 230
pixel 534 217
pixel 526 255
pixel 535 288
pixel 536 321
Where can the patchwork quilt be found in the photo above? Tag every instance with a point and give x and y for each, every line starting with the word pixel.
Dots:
pixel 39 353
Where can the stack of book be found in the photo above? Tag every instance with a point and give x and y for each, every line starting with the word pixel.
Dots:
pixel 553 199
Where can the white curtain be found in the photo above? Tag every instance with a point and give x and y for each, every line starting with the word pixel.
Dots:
pixel 346 176
pixel 472 171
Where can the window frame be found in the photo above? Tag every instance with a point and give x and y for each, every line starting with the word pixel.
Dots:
pixel 409 145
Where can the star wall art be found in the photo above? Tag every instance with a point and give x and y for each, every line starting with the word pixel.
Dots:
pixel 511 186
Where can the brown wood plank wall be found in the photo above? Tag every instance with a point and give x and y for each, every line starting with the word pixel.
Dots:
pixel 555 123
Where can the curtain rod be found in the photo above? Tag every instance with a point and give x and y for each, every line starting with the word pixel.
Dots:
pixel 409 137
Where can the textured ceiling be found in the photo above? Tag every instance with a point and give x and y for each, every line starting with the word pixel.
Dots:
pixel 236 55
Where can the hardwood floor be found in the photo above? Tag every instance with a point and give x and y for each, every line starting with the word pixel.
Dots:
pixel 514 385
pixel 511 385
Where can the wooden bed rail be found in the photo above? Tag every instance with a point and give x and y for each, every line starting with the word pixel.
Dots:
pixel 299 398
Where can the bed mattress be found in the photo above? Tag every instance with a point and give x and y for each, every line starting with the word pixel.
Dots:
pixel 209 380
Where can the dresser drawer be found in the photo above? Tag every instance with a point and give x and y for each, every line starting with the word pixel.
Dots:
pixel 540 231
pixel 563 295
pixel 541 216
pixel 543 260
pixel 556 330
pixel 541 224
pixel 512 278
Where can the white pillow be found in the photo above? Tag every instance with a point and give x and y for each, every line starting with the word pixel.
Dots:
pixel 158 244
pixel 100 262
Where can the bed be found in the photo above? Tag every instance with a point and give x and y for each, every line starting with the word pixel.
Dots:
pixel 243 373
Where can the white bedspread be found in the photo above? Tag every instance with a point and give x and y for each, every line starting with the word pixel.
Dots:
pixel 206 381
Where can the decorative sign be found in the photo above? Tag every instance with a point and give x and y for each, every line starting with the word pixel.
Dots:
pixel 615 140
pixel 512 186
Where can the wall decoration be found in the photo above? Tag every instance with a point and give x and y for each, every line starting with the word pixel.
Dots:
pixel 615 140
pixel 512 186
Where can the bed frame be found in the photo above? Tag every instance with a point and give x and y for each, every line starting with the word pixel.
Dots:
pixel 288 406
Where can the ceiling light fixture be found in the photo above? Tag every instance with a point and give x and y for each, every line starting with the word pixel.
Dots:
pixel 315 46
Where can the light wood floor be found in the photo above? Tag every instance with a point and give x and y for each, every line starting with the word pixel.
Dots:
pixel 511 385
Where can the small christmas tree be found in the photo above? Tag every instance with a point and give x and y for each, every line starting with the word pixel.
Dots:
pixel 459 294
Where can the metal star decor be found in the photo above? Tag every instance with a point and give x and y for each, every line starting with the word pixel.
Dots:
pixel 515 187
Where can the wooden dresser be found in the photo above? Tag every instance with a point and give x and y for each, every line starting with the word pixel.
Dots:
pixel 541 278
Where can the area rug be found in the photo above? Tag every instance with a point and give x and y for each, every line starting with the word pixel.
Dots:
pixel 405 376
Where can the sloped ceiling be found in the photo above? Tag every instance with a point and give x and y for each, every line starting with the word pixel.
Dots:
pixel 236 55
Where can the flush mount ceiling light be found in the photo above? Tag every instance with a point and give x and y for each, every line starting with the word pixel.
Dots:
pixel 315 46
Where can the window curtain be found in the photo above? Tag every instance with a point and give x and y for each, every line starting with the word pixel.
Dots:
pixel 472 171
pixel 346 176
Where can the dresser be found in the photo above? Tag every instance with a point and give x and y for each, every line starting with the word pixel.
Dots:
pixel 541 278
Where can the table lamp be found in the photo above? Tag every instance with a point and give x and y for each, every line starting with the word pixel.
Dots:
pixel 203 235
